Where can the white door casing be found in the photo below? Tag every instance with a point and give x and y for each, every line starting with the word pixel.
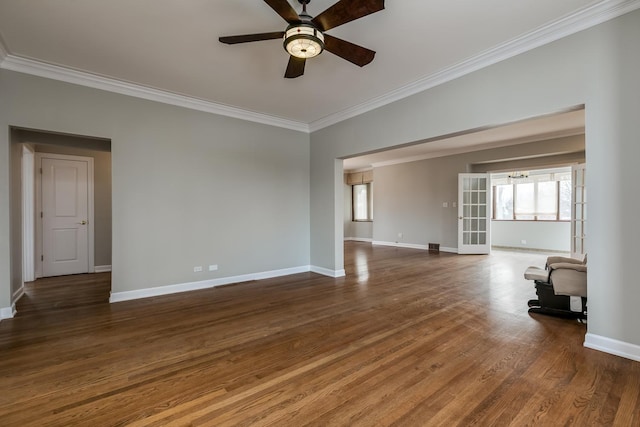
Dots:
pixel 66 206
pixel 474 213
pixel 28 214
pixel 578 210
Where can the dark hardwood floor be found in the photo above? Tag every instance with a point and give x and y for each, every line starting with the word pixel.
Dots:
pixel 408 338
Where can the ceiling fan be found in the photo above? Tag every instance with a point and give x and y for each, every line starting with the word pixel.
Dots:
pixel 305 36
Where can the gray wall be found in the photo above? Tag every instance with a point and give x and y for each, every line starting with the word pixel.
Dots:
pixel 540 235
pixel 189 188
pixel 597 68
pixel 409 197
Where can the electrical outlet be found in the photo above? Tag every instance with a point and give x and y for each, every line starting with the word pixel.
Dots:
pixel 445 204
pixel 197 269
pixel 524 242
pixel 213 267
pixel 399 235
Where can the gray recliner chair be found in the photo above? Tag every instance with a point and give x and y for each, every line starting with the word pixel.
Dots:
pixel 561 287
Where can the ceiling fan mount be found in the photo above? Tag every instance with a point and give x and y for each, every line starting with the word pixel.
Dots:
pixel 305 36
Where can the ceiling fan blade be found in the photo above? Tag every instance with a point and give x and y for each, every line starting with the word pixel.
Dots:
pixel 353 53
pixel 284 9
pixel 346 11
pixel 251 37
pixel 295 68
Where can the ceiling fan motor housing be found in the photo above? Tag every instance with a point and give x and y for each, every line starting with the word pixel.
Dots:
pixel 303 40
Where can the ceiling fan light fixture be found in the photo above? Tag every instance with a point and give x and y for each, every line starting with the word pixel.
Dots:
pixel 303 40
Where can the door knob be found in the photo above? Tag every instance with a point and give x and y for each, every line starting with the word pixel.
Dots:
pixel 83 222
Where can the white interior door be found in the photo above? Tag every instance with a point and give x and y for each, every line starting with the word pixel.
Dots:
pixel 65 216
pixel 474 213
pixel 578 210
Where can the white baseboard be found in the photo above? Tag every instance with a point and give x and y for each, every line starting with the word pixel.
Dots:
pixel 102 269
pixel 10 312
pixel 611 346
pixel 449 250
pixel 17 295
pixel 204 284
pixel 7 312
pixel 400 245
pixel 358 239
pixel 327 272
pixel 413 246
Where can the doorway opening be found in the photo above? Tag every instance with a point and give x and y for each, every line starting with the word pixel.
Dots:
pixel 416 185
pixel 61 206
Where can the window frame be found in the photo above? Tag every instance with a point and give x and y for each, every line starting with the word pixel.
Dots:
pixel 515 198
pixel 369 200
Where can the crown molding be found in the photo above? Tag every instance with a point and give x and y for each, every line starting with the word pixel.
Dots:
pixel 571 24
pixel 55 72
pixel 563 27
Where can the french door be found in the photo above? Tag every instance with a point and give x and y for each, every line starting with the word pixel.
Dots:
pixel 474 213
pixel 578 210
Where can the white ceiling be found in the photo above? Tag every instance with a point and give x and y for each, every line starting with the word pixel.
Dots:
pixel 537 129
pixel 172 47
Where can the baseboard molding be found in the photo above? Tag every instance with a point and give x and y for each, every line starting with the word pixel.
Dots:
pixel 7 312
pixel 611 346
pixel 413 246
pixel 17 294
pixel 327 272
pixel 525 249
pixel 205 284
pixel 400 245
pixel 358 239
pixel 10 312
pixel 102 269
pixel 449 250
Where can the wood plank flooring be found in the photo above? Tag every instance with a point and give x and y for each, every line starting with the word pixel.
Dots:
pixel 408 338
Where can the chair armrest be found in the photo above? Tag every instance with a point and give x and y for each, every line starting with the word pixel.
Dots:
pixel 568 266
pixel 562 259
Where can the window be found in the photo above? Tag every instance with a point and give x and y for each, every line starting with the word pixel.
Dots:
pixel 362 202
pixel 504 202
pixel 540 197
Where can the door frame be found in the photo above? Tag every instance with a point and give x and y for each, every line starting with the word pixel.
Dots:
pixel 90 208
pixel 475 249
pixel 28 214
pixel 578 169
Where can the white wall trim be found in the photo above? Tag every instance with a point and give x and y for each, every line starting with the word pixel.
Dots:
pixel 401 245
pixel 571 24
pixel 563 27
pixel 203 284
pixel 611 346
pixel 327 272
pixel 55 72
pixel 14 300
pixel 28 214
pixel 17 295
pixel 102 269
pixel 414 246
pixel 358 239
pixel 7 312
pixel 448 250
